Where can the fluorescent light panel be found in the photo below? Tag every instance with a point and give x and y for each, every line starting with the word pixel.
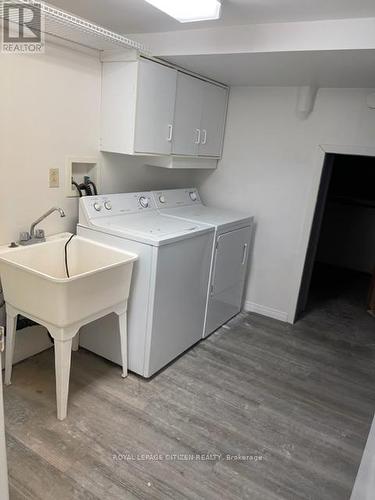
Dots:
pixel 189 11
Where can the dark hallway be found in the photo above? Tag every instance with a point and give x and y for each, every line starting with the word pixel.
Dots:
pixel 339 297
pixel 342 247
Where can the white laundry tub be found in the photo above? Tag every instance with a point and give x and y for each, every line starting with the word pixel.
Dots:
pixel 35 282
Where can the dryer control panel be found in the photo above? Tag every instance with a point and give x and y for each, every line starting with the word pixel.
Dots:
pixel 171 198
pixel 94 207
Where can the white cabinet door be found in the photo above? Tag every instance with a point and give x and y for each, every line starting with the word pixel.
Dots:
pixel 228 278
pixel 151 109
pixel 214 111
pixel 188 112
pixel 156 95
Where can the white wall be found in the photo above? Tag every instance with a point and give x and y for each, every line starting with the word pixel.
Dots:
pixel 49 109
pixel 268 168
pixel 126 174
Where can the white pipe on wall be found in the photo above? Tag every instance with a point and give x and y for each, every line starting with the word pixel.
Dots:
pixel 306 101
pixel 4 489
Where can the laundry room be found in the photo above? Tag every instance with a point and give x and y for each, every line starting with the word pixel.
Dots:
pixel 187 249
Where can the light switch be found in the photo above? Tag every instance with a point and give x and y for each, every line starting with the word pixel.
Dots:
pixel 54 178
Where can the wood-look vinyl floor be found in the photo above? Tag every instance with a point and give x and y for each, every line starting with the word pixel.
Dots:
pixel 298 398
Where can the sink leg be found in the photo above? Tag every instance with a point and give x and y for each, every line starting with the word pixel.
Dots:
pixel 75 343
pixel 10 342
pixel 63 354
pixel 122 316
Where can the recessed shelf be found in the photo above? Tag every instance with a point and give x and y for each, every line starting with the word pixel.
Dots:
pixel 77 168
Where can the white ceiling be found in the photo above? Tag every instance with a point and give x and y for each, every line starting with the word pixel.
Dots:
pixel 347 69
pixel 137 16
pixel 324 68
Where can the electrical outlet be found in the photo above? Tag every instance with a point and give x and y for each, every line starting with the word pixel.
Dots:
pixel 54 178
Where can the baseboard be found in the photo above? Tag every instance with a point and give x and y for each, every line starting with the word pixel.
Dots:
pixel 266 311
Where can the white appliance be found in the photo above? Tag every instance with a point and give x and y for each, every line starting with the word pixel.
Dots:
pixel 169 287
pixel 229 263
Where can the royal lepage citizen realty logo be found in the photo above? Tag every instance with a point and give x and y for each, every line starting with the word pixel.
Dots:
pixel 22 27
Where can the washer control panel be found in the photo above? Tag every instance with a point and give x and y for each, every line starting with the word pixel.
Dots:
pixel 171 198
pixel 116 204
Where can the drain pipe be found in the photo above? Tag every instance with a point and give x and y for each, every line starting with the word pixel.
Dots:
pixel 4 488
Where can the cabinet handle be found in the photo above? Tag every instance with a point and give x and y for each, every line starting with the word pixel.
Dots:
pixel 244 253
pixel 204 140
pixel 170 133
pixel 198 139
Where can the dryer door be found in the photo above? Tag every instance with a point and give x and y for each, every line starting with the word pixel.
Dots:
pixel 228 277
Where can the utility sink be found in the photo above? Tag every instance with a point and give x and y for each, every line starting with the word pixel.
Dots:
pixel 35 280
pixel 64 284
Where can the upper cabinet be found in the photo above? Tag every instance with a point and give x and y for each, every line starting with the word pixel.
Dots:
pixel 137 110
pixel 188 114
pixel 200 114
pixel 214 112
pixel 156 96
pixel 151 109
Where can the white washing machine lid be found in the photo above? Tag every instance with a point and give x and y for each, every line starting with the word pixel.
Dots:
pixel 223 220
pixel 151 227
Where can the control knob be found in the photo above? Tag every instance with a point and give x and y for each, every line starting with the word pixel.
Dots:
pixel 108 205
pixel 97 206
pixel 143 201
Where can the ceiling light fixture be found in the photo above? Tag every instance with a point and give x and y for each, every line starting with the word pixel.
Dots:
pixel 189 11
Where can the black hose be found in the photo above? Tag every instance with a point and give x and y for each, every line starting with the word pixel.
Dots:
pixel 66 255
pixel 87 188
pixel 78 187
pixel 92 184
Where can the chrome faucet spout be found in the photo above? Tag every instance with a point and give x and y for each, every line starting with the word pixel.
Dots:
pixel 44 216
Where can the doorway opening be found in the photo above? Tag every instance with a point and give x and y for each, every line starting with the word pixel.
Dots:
pixel 339 271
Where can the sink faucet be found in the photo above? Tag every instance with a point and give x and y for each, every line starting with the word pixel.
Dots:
pixel 38 236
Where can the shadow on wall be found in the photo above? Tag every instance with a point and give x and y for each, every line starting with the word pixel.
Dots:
pixel 125 174
pixel 250 262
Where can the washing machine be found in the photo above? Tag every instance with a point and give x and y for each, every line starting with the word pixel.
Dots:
pixel 230 253
pixel 167 303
